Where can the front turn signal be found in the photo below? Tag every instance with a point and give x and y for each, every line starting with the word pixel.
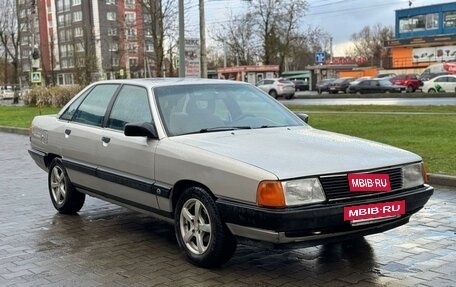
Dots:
pixel 270 194
pixel 424 172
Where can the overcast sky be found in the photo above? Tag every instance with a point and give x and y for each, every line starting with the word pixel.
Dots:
pixel 340 18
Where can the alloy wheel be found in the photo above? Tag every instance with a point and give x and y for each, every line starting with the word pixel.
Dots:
pixel 58 185
pixel 195 226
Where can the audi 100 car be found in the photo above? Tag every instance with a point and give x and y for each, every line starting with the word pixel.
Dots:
pixel 225 163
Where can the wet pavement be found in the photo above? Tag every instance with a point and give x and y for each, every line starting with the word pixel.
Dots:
pixel 107 245
pixel 301 100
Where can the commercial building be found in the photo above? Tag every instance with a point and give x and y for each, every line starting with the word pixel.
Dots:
pixel 423 36
pixel 78 39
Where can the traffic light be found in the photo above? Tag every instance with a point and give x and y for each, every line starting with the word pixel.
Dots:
pixel 35 54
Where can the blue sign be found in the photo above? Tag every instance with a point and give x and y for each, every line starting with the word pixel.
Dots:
pixel 319 57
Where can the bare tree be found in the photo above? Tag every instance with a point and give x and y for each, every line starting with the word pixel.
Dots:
pixel 305 45
pixel 162 21
pixel 84 56
pixel 10 35
pixel 238 38
pixel 369 43
pixel 278 23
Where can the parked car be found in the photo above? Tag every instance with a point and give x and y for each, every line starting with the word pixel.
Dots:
pixel 323 85
pixel 340 85
pixel 301 85
pixel 444 83
pixel 370 86
pixel 223 162
pixel 6 92
pixel 411 81
pixel 277 88
pixel 387 75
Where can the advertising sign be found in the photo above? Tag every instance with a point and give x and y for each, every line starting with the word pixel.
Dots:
pixel 434 54
pixel 192 58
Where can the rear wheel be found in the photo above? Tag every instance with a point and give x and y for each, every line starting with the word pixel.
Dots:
pixel 289 97
pixel 431 91
pixel 273 94
pixel 410 89
pixel 206 240
pixel 64 197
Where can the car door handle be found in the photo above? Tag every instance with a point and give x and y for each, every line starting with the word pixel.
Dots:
pixel 67 132
pixel 105 139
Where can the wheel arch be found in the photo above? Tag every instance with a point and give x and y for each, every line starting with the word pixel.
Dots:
pixel 180 186
pixel 49 158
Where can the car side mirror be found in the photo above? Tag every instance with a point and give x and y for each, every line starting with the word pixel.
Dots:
pixel 303 117
pixel 140 130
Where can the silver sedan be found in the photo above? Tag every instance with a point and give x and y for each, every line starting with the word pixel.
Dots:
pixel 225 163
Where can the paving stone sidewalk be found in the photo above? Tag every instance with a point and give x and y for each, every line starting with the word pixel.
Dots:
pixel 106 245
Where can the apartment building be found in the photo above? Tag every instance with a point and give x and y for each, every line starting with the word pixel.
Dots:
pixel 83 40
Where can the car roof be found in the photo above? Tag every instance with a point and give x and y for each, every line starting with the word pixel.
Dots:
pixel 157 82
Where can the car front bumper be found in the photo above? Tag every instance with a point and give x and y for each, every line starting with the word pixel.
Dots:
pixel 314 224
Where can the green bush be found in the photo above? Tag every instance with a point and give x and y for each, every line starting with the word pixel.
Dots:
pixel 56 96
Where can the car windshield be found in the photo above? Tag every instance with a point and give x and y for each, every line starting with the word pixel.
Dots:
pixel 197 108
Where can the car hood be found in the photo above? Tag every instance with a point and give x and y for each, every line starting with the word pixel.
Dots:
pixel 292 152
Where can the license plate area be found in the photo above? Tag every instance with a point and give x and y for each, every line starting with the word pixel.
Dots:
pixel 369 182
pixel 358 214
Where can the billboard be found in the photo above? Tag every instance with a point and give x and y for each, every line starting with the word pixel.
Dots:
pixel 192 58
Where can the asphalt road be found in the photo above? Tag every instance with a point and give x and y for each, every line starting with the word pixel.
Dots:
pixel 106 245
pixel 372 101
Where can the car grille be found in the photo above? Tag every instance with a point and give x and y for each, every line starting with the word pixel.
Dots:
pixel 336 186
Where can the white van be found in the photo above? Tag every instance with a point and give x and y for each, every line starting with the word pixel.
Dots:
pixel 438 69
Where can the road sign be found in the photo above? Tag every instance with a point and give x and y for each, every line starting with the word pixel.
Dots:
pixel 35 77
pixel 319 57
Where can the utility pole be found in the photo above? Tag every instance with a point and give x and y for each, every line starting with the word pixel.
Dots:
pixel 203 54
pixel 181 40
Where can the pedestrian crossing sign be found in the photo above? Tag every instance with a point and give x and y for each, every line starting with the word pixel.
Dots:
pixel 36 77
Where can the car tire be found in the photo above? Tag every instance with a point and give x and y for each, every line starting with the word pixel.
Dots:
pixel 358 92
pixel 387 91
pixel 289 97
pixel 65 198
pixel 431 91
pixel 319 91
pixel 202 235
pixel 410 89
pixel 273 94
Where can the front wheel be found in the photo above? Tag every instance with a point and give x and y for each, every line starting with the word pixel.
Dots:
pixel 410 89
pixel 206 240
pixel 64 197
pixel 431 91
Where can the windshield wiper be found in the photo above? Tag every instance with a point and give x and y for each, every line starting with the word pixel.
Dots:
pixel 266 126
pixel 221 129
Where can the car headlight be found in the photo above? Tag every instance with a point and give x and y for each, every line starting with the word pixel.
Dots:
pixel 279 194
pixel 413 175
pixel 303 191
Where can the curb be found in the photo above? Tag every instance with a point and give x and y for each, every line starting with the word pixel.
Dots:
pixel 441 179
pixel 438 179
pixel 12 130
